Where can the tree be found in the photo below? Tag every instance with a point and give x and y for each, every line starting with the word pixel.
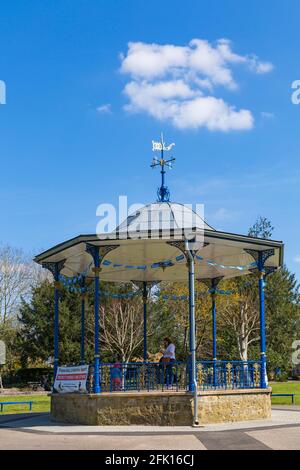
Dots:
pixel 122 328
pixel 171 318
pixel 8 334
pixel 14 281
pixel 17 275
pixel 283 318
pixel 262 228
pixel 36 318
pixel 240 313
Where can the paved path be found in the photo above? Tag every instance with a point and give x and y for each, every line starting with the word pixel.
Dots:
pixel 35 431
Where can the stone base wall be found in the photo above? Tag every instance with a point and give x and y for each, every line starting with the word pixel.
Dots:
pixel 235 405
pixel 160 408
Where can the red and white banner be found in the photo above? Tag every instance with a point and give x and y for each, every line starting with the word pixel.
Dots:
pixel 71 379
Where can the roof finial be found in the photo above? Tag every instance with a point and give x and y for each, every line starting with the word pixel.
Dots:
pixel 163 193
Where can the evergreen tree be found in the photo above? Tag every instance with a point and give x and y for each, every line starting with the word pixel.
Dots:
pixel 283 318
pixel 36 318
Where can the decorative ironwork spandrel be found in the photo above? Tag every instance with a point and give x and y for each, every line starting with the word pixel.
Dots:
pixel 256 374
pixel 200 374
pixel 229 374
pixel 105 379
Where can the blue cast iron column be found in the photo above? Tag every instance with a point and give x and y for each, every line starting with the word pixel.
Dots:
pixel 261 285
pixel 261 257
pixel 95 252
pixel 192 341
pixel 214 334
pixel 55 268
pixel 82 348
pixel 145 320
pixel 56 318
pixel 97 387
pixel 193 387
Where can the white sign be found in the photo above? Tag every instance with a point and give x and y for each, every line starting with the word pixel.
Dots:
pixel 2 353
pixel 71 379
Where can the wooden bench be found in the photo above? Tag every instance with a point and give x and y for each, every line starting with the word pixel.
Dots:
pixel 2 403
pixel 292 395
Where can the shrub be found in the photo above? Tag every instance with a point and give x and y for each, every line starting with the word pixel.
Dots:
pixel 24 375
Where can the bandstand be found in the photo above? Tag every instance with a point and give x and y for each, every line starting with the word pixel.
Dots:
pixel 164 241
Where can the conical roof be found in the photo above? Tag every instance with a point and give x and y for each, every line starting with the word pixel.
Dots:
pixel 163 216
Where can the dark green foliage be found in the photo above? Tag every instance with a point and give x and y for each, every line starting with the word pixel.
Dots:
pixel 282 319
pixel 35 338
pixel 261 229
pixel 25 375
pixel 8 334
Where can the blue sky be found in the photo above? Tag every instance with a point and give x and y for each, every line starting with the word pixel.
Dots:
pixel 68 141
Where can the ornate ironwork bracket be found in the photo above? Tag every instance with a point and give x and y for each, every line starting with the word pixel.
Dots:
pixel 54 267
pixel 212 283
pixel 181 246
pixel 149 284
pixel 102 250
pixel 261 257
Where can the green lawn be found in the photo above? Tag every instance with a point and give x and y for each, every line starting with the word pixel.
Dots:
pixel 41 403
pixel 285 387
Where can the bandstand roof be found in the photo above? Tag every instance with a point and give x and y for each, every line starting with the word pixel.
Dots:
pixel 143 251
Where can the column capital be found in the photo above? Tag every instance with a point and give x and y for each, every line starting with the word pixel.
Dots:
pixel 96 270
pixel 141 285
pixel 57 285
pixel 211 283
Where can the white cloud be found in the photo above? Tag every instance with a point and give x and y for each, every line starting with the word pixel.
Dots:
pixel 260 67
pixel 175 83
pixel 104 108
pixel 297 259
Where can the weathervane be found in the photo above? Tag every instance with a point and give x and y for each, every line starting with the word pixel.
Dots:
pixel 163 193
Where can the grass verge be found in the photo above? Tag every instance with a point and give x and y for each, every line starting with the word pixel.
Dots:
pixel 41 403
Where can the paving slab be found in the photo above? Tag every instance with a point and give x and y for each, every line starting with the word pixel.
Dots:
pixel 13 440
pixel 42 423
pixel 278 439
pixel 36 431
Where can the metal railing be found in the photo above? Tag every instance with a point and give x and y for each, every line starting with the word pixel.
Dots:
pixel 154 376
pixel 228 375
pixel 140 376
